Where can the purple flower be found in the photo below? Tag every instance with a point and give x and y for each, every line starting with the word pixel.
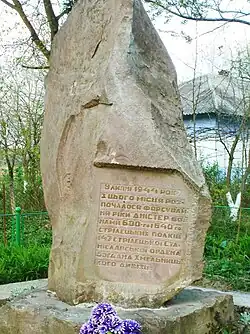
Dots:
pixel 131 327
pixel 87 328
pixel 112 324
pixel 84 329
pixel 101 312
pixel 104 319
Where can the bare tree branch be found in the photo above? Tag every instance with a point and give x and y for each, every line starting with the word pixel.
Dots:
pixel 34 36
pixel 64 12
pixel 36 67
pixel 212 30
pixel 8 4
pixel 201 18
pixel 52 19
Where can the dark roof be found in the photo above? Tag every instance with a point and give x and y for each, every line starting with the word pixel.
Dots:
pixel 215 94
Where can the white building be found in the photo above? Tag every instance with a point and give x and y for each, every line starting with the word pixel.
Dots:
pixel 219 105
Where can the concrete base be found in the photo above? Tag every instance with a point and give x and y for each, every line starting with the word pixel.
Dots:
pixel 35 310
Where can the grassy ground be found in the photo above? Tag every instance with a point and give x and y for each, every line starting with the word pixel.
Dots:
pixel 30 261
pixel 23 263
pixel 227 252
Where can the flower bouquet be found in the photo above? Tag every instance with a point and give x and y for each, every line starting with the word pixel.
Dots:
pixel 104 320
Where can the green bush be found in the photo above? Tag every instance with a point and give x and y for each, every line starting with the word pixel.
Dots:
pixel 28 192
pixel 23 263
pixel 216 180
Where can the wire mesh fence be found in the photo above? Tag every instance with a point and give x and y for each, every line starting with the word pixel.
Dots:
pixel 24 228
pixel 221 222
pixel 223 212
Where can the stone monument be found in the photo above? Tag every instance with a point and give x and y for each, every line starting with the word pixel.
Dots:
pixel 127 200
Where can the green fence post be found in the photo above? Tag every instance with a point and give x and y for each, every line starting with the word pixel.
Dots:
pixel 18 226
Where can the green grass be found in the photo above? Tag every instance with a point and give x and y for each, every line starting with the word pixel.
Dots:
pixel 30 261
pixel 227 252
pixel 23 263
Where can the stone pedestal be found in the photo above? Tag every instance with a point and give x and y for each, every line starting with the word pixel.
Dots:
pixel 37 311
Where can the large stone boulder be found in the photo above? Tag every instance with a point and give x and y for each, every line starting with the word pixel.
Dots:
pixel 127 200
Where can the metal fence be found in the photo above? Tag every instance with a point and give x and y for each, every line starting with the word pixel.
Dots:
pixel 35 228
pixel 25 228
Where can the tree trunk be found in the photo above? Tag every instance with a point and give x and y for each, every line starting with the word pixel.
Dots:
pixel 12 195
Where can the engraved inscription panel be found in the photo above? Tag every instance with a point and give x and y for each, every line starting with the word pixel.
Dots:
pixel 141 230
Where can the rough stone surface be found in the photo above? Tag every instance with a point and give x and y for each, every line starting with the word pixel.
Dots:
pixel 240 299
pixel 8 291
pixel 191 312
pixel 127 200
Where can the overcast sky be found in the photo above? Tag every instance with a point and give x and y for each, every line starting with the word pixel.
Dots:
pixel 214 49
